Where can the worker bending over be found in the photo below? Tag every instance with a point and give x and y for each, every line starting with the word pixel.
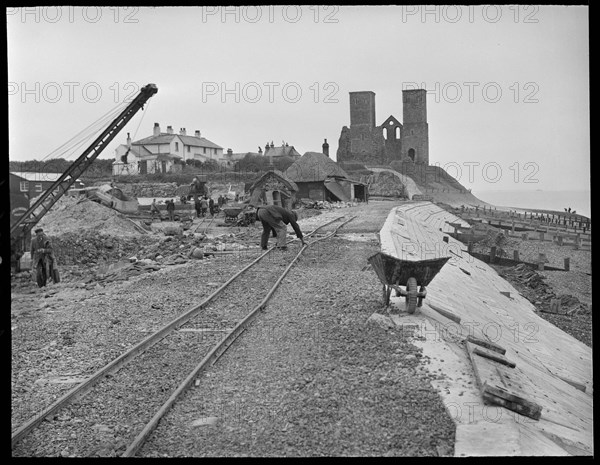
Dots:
pixel 277 218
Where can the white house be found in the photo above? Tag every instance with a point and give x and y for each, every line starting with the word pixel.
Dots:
pixel 163 152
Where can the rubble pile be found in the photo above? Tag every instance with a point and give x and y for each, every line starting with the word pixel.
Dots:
pixel 150 189
pixel 133 269
pixel 90 247
pixel 387 184
pixel 533 287
pixel 71 214
pixel 325 205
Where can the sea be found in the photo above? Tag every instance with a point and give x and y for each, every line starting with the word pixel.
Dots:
pixel 580 201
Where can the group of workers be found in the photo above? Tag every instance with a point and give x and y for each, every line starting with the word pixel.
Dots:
pixel 274 218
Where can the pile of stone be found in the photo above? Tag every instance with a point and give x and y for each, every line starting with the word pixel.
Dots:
pixel 90 247
pixel 150 189
pixel 387 184
pixel 325 205
pixel 124 273
pixel 72 214
pixel 532 286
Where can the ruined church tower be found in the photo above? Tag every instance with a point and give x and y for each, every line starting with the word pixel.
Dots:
pixel 415 136
pixel 366 142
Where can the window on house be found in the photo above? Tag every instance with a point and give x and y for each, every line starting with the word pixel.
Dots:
pixel 38 188
pixel 215 151
pixel 177 146
pixel 24 186
pixel 203 149
pixel 189 148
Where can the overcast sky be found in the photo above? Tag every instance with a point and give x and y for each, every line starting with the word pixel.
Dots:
pixel 508 87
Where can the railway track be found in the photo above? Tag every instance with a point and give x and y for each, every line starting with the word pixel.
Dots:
pixel 122 394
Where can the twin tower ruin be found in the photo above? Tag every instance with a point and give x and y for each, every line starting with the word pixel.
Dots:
pixel 367 143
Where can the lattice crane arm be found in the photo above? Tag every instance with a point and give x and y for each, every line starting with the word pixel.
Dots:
pixel 45 202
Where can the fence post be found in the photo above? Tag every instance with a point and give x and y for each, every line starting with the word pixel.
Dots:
pixel 541 261
pixel 493 254
pixel 516 255
pixel 567 262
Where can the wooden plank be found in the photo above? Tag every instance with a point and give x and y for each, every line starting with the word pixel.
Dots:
pixel 445 313
pixel 488 345
pixel 490 378
pixel 575 384
pixel 494 356
pixel 511 401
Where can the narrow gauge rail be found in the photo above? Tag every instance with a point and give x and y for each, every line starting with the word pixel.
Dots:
pixel 190 345
pixel 214 355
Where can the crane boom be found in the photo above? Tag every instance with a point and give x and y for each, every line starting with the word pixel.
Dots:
pixel 45 202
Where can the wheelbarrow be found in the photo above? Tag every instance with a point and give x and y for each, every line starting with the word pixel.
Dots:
pixel 413 275
pixel 231 214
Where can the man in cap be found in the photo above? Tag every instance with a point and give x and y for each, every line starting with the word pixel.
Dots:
pixel 274 217
pixel 41 249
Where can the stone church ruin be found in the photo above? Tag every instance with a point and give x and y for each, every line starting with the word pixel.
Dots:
pixel 368 143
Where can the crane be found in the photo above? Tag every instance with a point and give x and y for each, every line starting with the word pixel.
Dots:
pixel 20 228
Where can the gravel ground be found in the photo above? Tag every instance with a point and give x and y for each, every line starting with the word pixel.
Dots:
pixel 69 330
pixel 128 399
pixel 311 378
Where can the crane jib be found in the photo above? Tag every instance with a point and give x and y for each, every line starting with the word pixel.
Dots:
pixel 45 202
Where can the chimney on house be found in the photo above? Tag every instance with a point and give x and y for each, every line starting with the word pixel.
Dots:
pixel 260 150
pixel 156 129
pixel 182 132
pixel 229 152
pixel 169 129
pixel 326 148
pixel 197 133
pixel 266 148
pixel 128 140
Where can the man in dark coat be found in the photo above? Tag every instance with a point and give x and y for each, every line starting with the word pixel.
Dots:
pixel 211 206
pixel 171 209
pixel 41 250
pixel 198 208
pixel 274 217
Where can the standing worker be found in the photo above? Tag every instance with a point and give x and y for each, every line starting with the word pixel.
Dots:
pixel 42 258
pixel 154 209
pixel 276 218
pixel 204 205
pixel 171 209
pixel 198 208
pixel 211 206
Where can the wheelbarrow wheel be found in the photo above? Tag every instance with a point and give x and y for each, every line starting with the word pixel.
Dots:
pixel 411 295
pixel 387 290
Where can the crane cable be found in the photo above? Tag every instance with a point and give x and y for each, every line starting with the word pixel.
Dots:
pixel 85 134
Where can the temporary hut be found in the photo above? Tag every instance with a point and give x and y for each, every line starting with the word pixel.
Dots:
pixel 320 178
pixel 273 188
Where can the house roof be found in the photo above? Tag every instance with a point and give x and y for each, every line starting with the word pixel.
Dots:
pixel 37 176
pixel 336 189
pixel 282 151
pixel 166 138
pixel 280 176
pixel 314 167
